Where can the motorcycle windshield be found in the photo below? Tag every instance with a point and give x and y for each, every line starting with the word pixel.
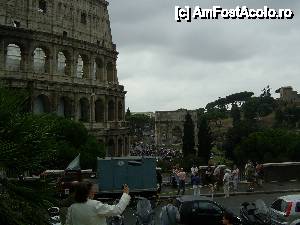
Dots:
pixel 261 207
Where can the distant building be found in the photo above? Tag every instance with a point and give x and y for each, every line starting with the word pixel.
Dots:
pixel 169 126
pixel 287 94
pixel 150 114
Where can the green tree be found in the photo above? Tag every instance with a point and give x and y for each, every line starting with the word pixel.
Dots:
pixel 34 143
pixel 205 139
pixel 235 135
pixel 270 145
pixel 235 114
pixel 188 140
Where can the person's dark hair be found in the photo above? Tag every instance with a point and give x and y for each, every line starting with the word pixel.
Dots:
pixel 82 191
pixel 229 216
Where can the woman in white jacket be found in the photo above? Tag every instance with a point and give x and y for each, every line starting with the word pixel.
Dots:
pixel 91 212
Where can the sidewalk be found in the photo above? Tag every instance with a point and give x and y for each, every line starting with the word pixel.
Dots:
pixel 267 188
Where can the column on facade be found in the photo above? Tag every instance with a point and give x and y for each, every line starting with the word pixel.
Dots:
pixel 27 59
pixel 115 73
pixel 92 108
pixel 53 65
pixel 90 67
pixel 76 107
pixel 105 70
pixel 73 69
pixel 52 62
pixel 116 109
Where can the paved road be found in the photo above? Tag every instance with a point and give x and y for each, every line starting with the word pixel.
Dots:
pixel 233 203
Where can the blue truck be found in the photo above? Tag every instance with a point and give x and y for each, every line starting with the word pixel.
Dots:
pixel 139 173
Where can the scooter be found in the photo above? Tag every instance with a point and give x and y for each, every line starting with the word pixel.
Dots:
pixel 54 216
pixel 144 212
pixel 256 213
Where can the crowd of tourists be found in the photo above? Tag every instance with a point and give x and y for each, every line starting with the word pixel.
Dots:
pixel 142 149
pixel 218 176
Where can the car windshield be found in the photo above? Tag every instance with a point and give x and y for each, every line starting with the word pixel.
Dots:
pixel 261 207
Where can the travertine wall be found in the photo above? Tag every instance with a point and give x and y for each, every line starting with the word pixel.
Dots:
pixel 62 52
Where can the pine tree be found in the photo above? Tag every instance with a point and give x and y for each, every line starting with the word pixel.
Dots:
pixel 205 139
pixel 235 114
pixel 188 140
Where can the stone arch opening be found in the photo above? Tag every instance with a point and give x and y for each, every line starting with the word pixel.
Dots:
pixel 41 104
pixel 84 110
pixel 13 57
pixel 177 135
pixel 99 111
pixel 120 111
pixel 41 60
pixel 110 147
pixel 111 110
pixel 110 73
pixel 42 6
pixel 120 147
pixel 64 107
pixel 82 66
pixel 98 70
pixel 63 64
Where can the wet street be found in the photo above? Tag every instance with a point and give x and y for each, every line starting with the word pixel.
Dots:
pixel 233 203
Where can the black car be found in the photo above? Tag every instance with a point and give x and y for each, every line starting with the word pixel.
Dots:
pixel 195 210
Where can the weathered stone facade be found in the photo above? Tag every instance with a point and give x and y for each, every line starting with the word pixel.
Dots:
pixel 62 51
pixel 287 94
pixel 169 126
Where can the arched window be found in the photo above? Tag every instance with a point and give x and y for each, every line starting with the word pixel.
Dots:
pixel 99 111
pixel 120 111
pixel 41 105
pixel 120 147
pixel 61 63
pixel 64 107
pixel 110 74
pixel 111 110
pixel 13 57
pixel 39 61
pixel 177 135
pixel 111 148
pixel 79 73
pixel 42 6
pixel 84 110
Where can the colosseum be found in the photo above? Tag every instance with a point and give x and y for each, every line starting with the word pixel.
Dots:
pixel 62 52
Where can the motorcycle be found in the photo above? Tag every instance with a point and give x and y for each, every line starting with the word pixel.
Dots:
pixel 256 213
pixel 144 212
pixel 54 216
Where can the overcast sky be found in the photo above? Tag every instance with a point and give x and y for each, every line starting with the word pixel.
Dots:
pixel 165 65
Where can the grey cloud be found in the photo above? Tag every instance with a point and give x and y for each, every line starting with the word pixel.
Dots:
pixel 166 65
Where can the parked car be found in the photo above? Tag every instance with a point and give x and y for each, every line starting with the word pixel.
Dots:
pixel 256 213
pixel 286 210
pixel 196 209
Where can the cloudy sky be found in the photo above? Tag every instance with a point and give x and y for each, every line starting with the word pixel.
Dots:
pixel 165 65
